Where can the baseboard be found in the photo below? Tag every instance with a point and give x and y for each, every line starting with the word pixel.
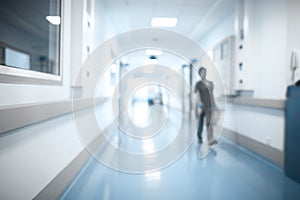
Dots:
pixel 273 155
pixel 27 114
pixel 58 185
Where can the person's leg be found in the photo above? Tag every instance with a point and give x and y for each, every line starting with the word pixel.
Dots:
pixel 200 126
pixel 209 126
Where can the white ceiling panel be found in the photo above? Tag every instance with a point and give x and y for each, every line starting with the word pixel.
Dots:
pixel 195 11
pixel 195 17
pixel 167 11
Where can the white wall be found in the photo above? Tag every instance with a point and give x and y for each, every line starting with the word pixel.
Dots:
pixel 267 47
pixel 103 24
pixel 32 156
pixel 272 32
pixel 260 124
pixel 225 28
pixel 293 33
pixel 82 37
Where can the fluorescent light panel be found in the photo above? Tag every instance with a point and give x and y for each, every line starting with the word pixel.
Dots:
pixel 55 20
pixel 163 22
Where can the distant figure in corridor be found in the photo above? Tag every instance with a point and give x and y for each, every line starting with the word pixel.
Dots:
pixel 204 90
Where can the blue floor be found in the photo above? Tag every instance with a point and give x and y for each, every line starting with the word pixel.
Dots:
pixel 229 172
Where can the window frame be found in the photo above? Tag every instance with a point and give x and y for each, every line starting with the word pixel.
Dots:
pixel 22 76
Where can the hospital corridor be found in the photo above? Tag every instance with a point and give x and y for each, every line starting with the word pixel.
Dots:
pixel 149 99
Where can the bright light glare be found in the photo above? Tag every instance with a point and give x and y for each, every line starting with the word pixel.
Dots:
pixel 155 175
pixel 153 52
pixel 114 68
pixel 163 22
pixel 148 145
pixel 151 61
pixel 55 20
pixel 210 54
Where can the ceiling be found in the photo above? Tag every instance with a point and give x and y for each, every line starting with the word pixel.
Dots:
pixel 195 17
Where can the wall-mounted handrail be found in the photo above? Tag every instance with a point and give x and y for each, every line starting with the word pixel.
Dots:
pixel 18 116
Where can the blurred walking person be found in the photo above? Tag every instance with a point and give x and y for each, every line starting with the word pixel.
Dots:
pixel 204 90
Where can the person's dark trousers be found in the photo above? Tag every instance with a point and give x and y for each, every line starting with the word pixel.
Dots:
pixel 200 126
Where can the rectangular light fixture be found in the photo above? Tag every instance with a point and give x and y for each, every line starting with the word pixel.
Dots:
pixel 163 22
pixel 55 20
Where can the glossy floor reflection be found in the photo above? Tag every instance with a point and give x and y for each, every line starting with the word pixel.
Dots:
pixel 229 172
pixel 135 149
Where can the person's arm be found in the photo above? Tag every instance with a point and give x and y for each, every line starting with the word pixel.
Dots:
pixel 197 91
pixel 213 97
pixel 195 88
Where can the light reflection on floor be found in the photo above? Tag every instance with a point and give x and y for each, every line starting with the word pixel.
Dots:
pixel 140 113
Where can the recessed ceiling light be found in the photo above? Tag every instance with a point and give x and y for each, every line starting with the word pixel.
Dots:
pixel 153 52
pixel 163 22
pixel 55 20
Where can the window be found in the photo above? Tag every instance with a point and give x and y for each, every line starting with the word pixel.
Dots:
pixel 30 41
